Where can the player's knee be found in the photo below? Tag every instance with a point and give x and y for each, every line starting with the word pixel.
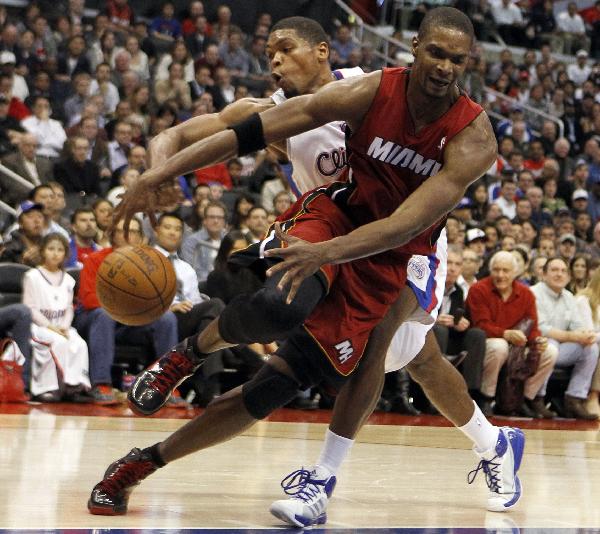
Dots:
pixel 265 316
pixel 268 390
pixel 283 317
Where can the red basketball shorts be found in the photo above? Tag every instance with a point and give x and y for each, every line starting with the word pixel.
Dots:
pixel 360 292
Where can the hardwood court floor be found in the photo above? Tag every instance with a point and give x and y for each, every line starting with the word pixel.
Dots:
pixel 396 476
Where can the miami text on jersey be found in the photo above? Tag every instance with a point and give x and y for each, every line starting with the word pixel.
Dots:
pixel 394 154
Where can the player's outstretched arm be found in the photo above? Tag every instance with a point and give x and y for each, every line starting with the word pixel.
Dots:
pixel 346 100
pixel 176 138
pixel 467 157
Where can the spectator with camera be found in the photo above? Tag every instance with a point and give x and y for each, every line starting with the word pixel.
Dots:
pixel 24 243
pixel 453 330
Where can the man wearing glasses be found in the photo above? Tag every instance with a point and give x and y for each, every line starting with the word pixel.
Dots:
pixel 200 248
pixel 101 331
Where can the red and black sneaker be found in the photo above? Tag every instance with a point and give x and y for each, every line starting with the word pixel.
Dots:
pixel 111 495
pixel 152 388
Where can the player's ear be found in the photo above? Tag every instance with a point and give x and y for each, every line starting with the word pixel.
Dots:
pixel 323 51
pixel 415 45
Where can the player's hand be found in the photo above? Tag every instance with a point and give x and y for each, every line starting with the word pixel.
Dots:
pixel 150 194
pixel 301 259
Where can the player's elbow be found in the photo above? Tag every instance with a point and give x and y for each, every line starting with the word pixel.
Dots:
pixel 168 138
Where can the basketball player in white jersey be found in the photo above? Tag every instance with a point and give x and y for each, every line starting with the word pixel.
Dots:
pixel 298 52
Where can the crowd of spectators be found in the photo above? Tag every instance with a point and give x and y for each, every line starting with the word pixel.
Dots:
pixel 529 24
pixel 81 99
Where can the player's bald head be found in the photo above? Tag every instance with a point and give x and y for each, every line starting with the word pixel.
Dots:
pixel 446 17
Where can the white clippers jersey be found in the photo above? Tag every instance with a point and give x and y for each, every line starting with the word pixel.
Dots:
pixel 54 302
pixel 318 156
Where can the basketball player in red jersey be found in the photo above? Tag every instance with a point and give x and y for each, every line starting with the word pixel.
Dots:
pixel 446 129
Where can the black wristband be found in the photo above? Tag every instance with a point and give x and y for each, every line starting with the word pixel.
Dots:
pixel 249 133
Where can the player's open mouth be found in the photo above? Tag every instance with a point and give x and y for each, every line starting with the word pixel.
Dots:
pixel 440 83
pixel 277 77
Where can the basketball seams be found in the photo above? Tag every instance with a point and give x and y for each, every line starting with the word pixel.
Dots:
pixel 162 264
pixel 160 297
pixel 123 299
pixel 118 288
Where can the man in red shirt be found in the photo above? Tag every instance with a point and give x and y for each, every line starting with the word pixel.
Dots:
pixel 496 304
pixel 101 331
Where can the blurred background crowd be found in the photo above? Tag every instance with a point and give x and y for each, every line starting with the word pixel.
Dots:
pixel 83 91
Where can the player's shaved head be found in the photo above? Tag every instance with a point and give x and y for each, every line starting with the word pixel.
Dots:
pixel 309 30
pixel 446 17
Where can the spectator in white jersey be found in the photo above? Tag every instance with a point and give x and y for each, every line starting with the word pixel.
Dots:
pixel 59 355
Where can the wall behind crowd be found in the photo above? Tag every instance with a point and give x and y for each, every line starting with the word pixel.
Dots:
pixel 245 12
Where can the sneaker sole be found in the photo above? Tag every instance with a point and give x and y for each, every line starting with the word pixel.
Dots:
pixel 95 509
pixel 297 520
pixel 138 411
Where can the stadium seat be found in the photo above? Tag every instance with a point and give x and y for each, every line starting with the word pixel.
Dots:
pixel 11 282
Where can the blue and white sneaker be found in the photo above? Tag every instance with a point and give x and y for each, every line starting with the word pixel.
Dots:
pixel 310 490
pixel 500 465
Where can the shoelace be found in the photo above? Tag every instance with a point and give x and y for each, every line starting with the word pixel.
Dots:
pixel 127 474
pixel 301 485
pixel 174 368
pixel 490 468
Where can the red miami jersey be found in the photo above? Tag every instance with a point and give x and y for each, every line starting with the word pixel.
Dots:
pixel 389 160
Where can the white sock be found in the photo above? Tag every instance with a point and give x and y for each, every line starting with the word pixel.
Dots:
pixel 334 451
pixel 480 431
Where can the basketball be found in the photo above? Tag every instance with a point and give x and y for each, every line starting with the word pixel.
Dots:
pixel 136 285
